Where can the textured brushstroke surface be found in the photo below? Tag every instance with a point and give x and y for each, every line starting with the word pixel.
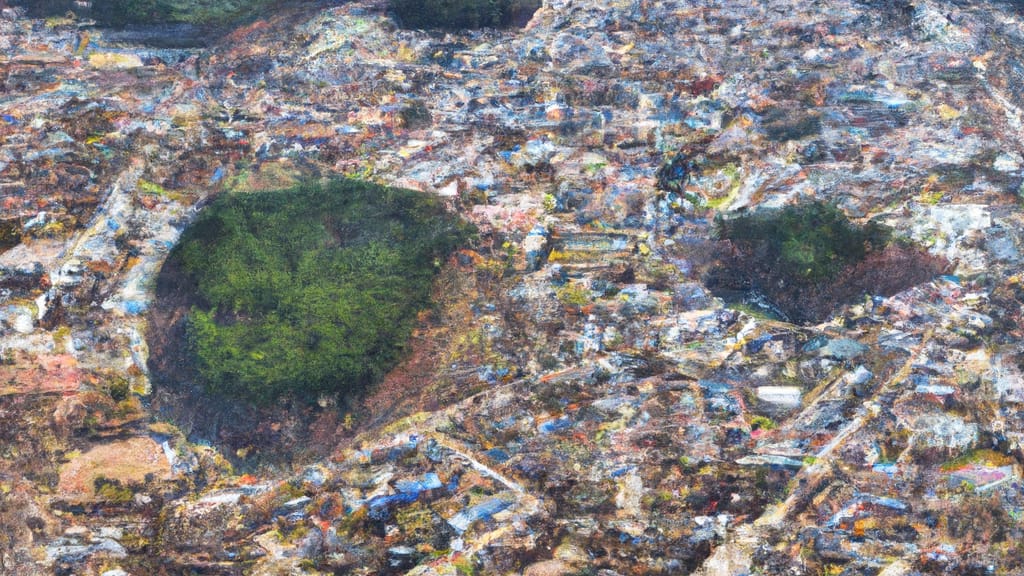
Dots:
pixel 578 400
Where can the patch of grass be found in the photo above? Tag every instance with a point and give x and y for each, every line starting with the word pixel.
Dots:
pixel 312 290
pixel 573 294
pixel 982 457
pixel 112 491
pixel 464 566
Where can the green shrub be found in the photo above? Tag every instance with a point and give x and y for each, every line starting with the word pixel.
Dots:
pixel 461 14
pixel 573 295
pixel 112 491
pixel 310 290
pixel 762 423
pixel 10 233
pixel 119 388
pixel 786 123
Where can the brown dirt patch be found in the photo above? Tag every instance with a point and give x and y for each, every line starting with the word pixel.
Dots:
pixel 128 461
pixel 44 374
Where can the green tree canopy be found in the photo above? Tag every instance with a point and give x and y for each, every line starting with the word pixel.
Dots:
pixel 460 14
pixel 808 242
pixel 125 12
pixel 310 290
pixel 121 12
pixel 803 262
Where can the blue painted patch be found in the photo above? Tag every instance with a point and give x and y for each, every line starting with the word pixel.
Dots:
pixel 884 501
pixel 554 425
pixel 757 344
pixel 621 471
pixel 887 468
pixel 429 481
pixel 482 511
pixel 380 506
pixel 498 455
pixel 918 380
pixel 815 343
pixel 714 387
pixel 134 307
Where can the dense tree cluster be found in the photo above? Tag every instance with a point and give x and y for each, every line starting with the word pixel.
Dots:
pixel 126 12
pixel 460 14
pixel 810 242
pixel 121 12
pixel 806 260
pixel 311 290
pixel 444 14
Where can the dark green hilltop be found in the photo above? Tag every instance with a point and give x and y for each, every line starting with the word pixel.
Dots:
pixel 807 260
pixel 441 14
pixel 312 290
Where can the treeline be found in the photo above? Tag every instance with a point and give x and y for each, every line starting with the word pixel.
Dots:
pixel 462 14
pixel 119 13
pixel 443 14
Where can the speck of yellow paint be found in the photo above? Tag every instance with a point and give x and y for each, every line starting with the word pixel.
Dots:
pixel 947 112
